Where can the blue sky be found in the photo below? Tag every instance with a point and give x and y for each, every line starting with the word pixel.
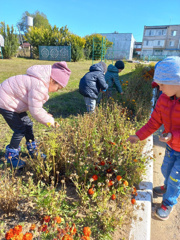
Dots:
pixel 85 17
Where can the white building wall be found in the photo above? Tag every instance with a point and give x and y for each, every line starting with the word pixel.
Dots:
pixel 123 44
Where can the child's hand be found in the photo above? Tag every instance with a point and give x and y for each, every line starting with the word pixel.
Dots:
pixel 122 93
pixel 165 137
pixel 133 139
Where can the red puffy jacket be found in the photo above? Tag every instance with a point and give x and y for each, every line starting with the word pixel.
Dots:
pixel 167 112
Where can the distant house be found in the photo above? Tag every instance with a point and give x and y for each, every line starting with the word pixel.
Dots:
pixel 161 41
pixel 123 44
pixel 137 47
pixel 25 45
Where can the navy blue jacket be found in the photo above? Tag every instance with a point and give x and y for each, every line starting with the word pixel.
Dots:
pixel 93 81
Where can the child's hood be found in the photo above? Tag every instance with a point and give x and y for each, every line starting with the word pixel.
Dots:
pixel 42 72
pixel 112 68
pixel 96 67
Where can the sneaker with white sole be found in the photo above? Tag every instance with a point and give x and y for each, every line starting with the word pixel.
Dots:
pixel 163 212
pixel 159 191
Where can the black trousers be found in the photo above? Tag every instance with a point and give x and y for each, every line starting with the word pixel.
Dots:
pixel 21 125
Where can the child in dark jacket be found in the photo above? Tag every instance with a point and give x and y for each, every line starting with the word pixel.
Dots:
pixel 167 112
pixel 92 83
pixel 112 77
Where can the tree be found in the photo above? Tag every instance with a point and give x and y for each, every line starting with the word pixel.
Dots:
pixel 53 36
pixel 88 50
pixel 11 42
pixel 39 20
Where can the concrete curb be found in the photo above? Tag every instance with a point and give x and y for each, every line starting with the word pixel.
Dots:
pixel 141 225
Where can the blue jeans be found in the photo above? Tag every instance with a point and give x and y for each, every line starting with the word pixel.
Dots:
pixel 21 125
pixel 90 104
pixel 171 172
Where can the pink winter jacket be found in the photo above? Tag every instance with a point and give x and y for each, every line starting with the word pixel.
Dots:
pixel 28 92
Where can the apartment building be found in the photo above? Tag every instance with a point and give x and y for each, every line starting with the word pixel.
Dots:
pixel 161 41
pixel 137 47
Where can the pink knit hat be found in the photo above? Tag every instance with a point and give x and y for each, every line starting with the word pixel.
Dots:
pixel 60 73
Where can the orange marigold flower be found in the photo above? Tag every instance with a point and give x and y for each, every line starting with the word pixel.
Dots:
pixel 18 236
pixel 133 200
pixel 33 226
pixel 102 163
pixel 28 236
pixel 9 234
pixel 135 160
pixel 110 183
pixel 118 177
pixel 85 238
pixel 17 229
pixel 67 237
pixel 125 183
pixel 87 231
pixel 112 143
pixel 44 228
pixel 90 191
pixel 57 219
pixel 125 147
pixel 109 170
pixel 95 177
pixel 134 190
pixel 47 218
pixel 73 229
pixel 113 197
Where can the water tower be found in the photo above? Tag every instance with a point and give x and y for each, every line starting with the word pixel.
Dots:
pixel 29 21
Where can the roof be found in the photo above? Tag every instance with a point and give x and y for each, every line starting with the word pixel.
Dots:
pixel 26 45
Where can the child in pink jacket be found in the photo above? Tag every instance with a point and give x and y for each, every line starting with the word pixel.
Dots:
pixel 29 92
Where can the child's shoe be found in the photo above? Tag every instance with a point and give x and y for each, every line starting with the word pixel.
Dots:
pixel 159 191
pixel 33 149
pixel 163 212
pixel 12 157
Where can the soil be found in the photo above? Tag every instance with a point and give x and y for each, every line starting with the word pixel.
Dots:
pixel 25 213
pixel 169 229
pixel 26 216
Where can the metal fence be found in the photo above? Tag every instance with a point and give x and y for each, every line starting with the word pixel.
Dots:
pixel 55 53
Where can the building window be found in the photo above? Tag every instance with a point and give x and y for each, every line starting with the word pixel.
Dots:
pixel 149 32
pixel 173 33
pixel 159 43
pixel 163 32
pixel 146 43
pixel 158 52
pixel 171 43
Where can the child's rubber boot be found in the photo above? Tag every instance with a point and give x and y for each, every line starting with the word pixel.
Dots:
pixel 12 157
pixel 163 212
pixel 159 191
pixel 33 149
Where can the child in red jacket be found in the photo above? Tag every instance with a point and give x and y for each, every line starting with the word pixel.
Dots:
pixel 167 113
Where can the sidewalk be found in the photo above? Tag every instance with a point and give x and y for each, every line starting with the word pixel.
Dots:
pixel 146 226
pixel 169 229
